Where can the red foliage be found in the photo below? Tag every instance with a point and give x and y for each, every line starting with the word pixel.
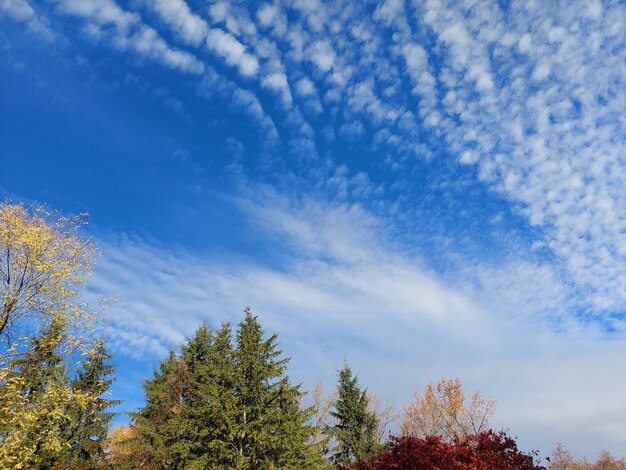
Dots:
pixel 499 451
pixel 485 451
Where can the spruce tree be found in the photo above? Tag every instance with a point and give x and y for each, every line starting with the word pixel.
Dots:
pixel 355 431
pixel 35 394
pixel 43 362
pixel 89 425
pixel 212 406
pixel 185 417
pixel 224 406
pixel 156 424
pixel 271 430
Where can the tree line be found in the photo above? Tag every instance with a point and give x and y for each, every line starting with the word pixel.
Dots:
pixel 222 400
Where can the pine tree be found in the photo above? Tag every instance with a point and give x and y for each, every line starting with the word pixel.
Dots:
pixel 34 398
pixel 212 405
pixel 356 427
pixel 89 426
pixel 216 406
pixel 156 423
pixel 185 406
pixel 271 427
pixel 42 363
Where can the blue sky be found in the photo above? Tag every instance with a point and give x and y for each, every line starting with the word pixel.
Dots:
pixel 428 189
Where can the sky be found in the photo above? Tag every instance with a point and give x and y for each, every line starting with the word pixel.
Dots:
pixel 422 188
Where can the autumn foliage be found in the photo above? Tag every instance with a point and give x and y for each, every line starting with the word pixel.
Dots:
pixel 485 451
pixel 444 410
pixel 53 373
pixel 43 264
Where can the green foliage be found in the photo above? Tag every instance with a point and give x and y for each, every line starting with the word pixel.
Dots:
pixel 155 423
pixel 39 403
pixel 89 426
pixel 213 406
pixel 34 397
pixel 219 405
pixel 356 427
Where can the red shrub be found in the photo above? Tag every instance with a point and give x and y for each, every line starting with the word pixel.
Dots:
pixel 486 451
pixel 499 451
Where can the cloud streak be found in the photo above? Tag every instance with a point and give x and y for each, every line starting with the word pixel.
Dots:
pixel 22 12
pixel 370 301
pixel 105 20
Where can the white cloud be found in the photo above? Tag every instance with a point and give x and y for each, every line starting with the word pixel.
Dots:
pixel 541 72
pixel 524 43
pixel 177 14
pixel 219 11
pixel 594 9
pixel 389 10
pixel 250 104
pixel 546 144
pixel 195 30
pixel 19 10
pixel 278 83
pixel 321 54
pixel 100 12
pixel 147 42
pixel 233 52
pixel 215 86
pixel 129 33
pixel 23 12
pixel 266 14
pixel 305 87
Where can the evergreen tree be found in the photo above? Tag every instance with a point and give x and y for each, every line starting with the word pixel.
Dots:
pixel 216 406
pixel 34 398
pixel 43 362
pixel 271 430
pixel 89 426
pixel 212 407
pixel 156 423
pixel 356 427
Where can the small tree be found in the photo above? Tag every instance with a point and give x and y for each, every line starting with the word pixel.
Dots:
pixel 208 412
pixel 498 450
pixel 34 402
pixel 356 427
pixel 156 424
pixel 561 459
pixel 386 415
pixel 122 448
pixel 444 411
pixel 321 420
pixel 89 425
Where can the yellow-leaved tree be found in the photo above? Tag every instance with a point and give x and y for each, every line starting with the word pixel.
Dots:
pixel 125 448
pixel 444 411
pixel 43 264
